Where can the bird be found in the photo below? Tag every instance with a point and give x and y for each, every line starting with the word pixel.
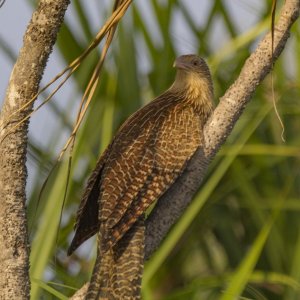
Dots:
pixel 146 156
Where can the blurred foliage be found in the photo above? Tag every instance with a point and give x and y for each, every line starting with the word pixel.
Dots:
pixel 242 232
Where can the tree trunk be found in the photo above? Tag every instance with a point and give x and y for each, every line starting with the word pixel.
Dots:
pixel 24 82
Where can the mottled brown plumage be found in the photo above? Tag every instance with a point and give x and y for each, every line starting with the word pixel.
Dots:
pixel 148 153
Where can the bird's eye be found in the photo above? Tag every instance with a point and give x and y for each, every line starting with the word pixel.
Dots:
pixel 195 63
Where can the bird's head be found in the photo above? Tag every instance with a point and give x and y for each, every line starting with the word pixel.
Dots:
pixel 193 76
pixel 191 63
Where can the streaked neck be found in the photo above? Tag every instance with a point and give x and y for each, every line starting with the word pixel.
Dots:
pixel 194 87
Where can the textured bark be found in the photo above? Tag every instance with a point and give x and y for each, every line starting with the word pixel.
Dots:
pixel 39 39
pixel 171 206
pixel 80 294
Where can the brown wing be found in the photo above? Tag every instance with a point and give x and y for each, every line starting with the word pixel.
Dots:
pixel 87 219
pixel 87 222
pixel 148 154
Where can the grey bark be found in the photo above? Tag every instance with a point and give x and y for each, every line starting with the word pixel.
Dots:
pixel 171 206
pixel 38 42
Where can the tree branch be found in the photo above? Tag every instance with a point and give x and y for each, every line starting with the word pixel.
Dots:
pixel 171 206
pixel 39 39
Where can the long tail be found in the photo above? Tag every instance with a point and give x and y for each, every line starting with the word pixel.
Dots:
pixel 117 273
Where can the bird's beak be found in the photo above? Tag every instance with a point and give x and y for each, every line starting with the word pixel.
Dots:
pixel 179 64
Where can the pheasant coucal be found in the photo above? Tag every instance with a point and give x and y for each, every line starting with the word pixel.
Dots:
pixel 146 156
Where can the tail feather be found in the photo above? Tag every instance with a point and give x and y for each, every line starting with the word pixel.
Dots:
pixel 117 274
